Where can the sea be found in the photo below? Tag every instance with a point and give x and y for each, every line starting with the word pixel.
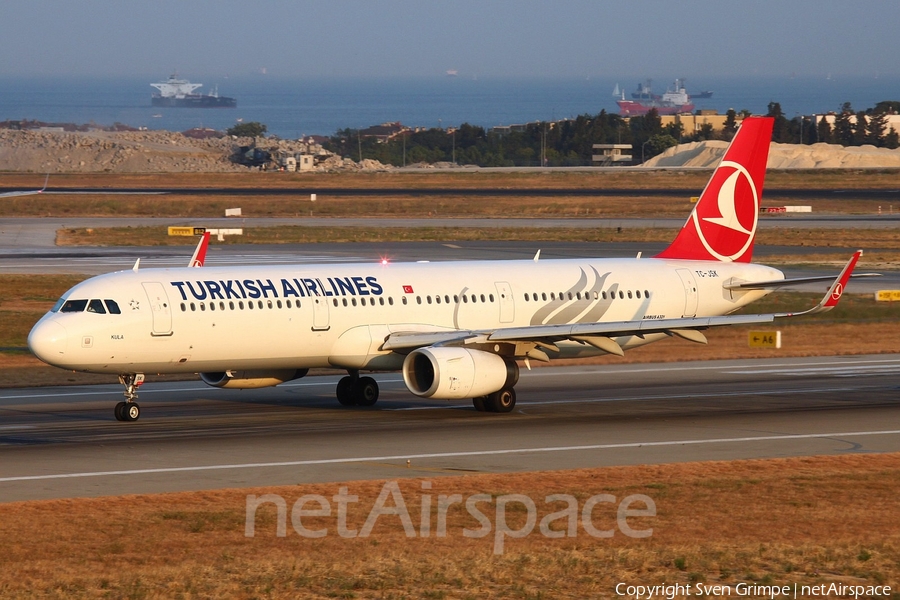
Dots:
pixel 294 108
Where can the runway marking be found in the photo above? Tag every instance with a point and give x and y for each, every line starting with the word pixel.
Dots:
pixel 837 372
pixel 363 459
pixel 642 398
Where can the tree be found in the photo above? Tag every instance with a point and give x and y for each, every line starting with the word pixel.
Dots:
pixel 729 128
pixel 780 131
pixel 251 129
pixel 843 129
pixel 823 131
pixel 876 129
pixel 860 129
pixel 892 139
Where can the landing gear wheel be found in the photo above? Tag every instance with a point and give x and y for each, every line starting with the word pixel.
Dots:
pixel 120 411
pixel 503 401
pixel 131 411
pixel 344 391
pixel 478 403
pixel 366 391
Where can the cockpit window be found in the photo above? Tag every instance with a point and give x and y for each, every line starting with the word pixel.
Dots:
pixel 58 304
pixel 74 306
pixel 96 306
pixel 113 307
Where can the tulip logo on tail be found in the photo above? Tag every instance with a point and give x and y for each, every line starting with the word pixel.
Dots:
pixel 723 224
pixel 726 229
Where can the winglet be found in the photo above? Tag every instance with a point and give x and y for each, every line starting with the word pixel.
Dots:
pixel 199 256
pixel 834 293
pixel 43 189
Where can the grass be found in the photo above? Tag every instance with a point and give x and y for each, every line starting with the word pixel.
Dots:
pixel 631 178
pixel 777 522
pixel 882 239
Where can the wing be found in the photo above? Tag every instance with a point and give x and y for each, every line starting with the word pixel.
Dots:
pixel 531 341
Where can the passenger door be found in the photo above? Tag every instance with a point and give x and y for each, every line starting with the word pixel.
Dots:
pixel 159 308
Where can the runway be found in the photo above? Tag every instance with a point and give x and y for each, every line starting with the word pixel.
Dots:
pixel 41 231
pixel 65 442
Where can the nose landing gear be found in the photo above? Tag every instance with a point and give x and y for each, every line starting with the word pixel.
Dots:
pixel 129 409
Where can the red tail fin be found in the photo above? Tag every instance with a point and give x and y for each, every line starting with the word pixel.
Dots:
pixel 723 223
pixel 199 256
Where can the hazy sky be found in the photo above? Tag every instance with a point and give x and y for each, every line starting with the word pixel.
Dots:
pixel 484 38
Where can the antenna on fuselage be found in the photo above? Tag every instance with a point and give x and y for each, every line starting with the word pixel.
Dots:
pixel 537 255
pixel 137 264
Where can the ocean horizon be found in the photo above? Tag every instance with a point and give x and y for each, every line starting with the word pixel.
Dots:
pixel 295 107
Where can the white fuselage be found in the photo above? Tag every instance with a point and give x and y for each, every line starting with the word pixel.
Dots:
pixel 294 317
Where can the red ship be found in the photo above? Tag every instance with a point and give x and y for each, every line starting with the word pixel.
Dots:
pixel 673 102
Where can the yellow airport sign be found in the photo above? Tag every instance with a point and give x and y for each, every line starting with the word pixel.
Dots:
pixel 887 296
pixel 764 339
pixel 187 231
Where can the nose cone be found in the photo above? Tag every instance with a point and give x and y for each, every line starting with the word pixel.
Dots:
pixel 47 341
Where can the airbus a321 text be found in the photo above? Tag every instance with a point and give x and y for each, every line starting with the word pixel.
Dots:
pixel 454 329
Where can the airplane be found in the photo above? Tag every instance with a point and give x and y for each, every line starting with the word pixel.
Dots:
pixel 455 330
pixel 27 192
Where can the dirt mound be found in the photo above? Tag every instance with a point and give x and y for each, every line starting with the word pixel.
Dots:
pixel 42 151
pixel 783 156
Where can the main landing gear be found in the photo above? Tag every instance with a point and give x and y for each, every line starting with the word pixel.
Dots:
pixel 354 390
pixel 129 410
pixel 503 401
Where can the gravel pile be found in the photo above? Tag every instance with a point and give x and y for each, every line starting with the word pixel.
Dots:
pixel 783 156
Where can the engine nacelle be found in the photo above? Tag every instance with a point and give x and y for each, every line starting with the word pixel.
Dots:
pixel 249 380
pixel 453 373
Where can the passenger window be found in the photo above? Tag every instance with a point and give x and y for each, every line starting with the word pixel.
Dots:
pixel 629 294
pixel 230 305
pixel 250 305
pixel 446 299
pixel 269 304
pixel 183 307
pixel 288 303
pixel 456 299
pixel 604 295
pixel 221 306
pixel 212 306
pixel 391 300
pixel 241 304
pixel 193 307
pixel 553 295
pixel 74 306
pixel 259 304
pixel 437 299
pixel 646 294
pixel 621 295
pixel 113 307
pixel 203 306
pixel 404 300
pixel 418 299
pixel 381 301
pixel 482 297
pixel 491 297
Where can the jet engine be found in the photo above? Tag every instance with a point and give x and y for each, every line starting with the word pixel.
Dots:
pixel 248 380
pixel 454 373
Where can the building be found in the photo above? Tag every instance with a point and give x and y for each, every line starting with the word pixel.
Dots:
pixel 693 122
pixel 611 154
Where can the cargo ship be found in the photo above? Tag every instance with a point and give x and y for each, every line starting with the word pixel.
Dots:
pixel 674 101
pixel 180 93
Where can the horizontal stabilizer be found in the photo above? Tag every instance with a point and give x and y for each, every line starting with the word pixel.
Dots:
pixel 777 283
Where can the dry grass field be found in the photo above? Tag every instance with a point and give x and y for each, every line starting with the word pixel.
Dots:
pixel 804 521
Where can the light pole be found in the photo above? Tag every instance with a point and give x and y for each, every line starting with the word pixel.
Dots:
pixel 642 150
